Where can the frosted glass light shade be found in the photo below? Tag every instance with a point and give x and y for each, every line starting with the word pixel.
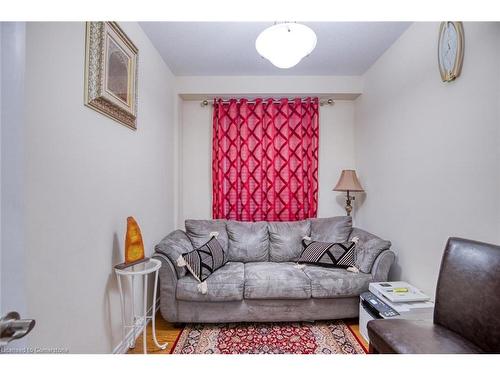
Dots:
pixel 285 44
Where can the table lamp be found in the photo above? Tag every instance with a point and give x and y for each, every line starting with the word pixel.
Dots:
pixel 348 182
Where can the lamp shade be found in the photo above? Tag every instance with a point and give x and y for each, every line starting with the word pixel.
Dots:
pixel 348 181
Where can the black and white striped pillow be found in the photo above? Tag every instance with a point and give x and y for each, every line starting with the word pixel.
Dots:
pixel 205 260
pixel 328 254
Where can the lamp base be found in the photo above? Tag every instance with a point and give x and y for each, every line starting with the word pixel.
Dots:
pixel 348 206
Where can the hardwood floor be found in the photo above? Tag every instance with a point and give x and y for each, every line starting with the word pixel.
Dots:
pixel 166 332
pixel 353 324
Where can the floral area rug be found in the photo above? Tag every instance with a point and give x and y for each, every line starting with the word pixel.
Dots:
pixel 325 337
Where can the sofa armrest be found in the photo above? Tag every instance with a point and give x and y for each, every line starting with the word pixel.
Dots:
pixel 173 246
pixel 368 248
pixel 382 265
pixel 167 287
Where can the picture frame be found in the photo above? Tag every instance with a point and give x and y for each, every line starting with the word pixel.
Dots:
pixel 111 70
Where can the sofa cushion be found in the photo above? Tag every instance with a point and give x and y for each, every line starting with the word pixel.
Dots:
pixel 248 242
pixel 285 239
pixel 225 284
pixel 336 282
pixel 331 229
pixel 269 280
pixel 199 232
pixel 368 248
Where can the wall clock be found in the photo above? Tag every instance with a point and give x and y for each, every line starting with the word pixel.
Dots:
pixel 450 50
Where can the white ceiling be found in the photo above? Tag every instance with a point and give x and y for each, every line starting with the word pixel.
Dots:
pixel 228 48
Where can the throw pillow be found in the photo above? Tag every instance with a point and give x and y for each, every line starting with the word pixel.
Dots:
pixel 204 261
pixel 328 254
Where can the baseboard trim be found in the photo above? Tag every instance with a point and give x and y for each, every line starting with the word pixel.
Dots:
pixel 122 347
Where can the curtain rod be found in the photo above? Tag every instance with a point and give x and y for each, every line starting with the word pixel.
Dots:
pixel 329 101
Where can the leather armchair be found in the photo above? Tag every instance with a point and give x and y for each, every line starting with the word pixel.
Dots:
pixel 467 307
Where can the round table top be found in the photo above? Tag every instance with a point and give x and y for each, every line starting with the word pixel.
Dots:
pixel 143 268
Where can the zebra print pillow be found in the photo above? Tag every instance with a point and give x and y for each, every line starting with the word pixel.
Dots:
pixel 205 260
pixel 328 254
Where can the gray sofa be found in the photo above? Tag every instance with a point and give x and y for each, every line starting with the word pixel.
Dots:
pixel 261 281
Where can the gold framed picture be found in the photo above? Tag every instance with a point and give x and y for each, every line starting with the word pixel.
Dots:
pixel 111 61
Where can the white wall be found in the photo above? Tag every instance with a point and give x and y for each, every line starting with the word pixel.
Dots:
pixel 196 170
pixel 84 174
pixel 336 152
pixel 1 106
pixel 13 275
pixel 427 152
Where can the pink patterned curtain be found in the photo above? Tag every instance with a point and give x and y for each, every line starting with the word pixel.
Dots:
pixel 265 159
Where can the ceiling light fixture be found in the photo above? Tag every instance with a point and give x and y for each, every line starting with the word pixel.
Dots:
pixel 285 44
